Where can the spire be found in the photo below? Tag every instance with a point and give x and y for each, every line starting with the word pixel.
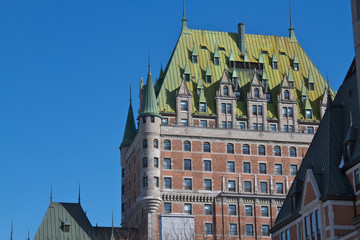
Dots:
pixel 12 228
pixel 51 193
pixel 149 106
pixel 28 235
pixel 329 99
pixel 130 129
pixel 112 226
pixel 130 93
pixel 291 29
pixel 79 183
pixel 184 28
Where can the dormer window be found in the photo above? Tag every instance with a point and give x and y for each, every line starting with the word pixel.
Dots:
pixel 208 79
pixel 65 227
pixel 202 107
pixel 231 64
pixel 291 84
pixel 216 60
pixel 226 91
pixel 268 97
pixel 194 59
pixel 286 94
pixel 275 65
pixel 303 99
pixel 311 86
pixel 308 114
pixel 348 151
pixel 256 92
pixel 187 77
pixel 238 95
pixel 184 105
pixel 296 66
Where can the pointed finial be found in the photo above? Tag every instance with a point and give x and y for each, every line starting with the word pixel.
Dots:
pixel 28 235
pixel 79 193
pixel 130 92
pixel 291 25
pixel 12 228
pixel 51 198
pixel 112 226
pixel 291 29
pixel 149 73
pixel 184 20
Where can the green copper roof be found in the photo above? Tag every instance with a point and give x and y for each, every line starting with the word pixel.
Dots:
pixel 202 98
pixel 231 57
pixel 208 70
pixel 310 78
pixel 290 76
pixel 303 91
pixel 307 104
pixel 199 83
pixel 235 74
pixel 296 60
pixel 194 52
pixel 187 70
pixel 264 76
pixel 216 53
pixel 149 106
pixel 261 58
pixel 246 58
pixel 274 59
pixel 141 84
pixel 130 128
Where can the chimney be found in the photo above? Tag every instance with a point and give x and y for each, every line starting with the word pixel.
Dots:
pixel 241 32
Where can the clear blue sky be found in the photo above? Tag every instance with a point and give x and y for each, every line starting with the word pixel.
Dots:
pixel 65 68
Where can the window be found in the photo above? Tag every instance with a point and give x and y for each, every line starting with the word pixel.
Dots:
pixel 265 230
pixel 195 59
pixel 208 79
pixel 207 165
pixel 268 97
pixel 184 105
pixel 167 207
pixel 156 182
pixel 272 127
pixel 232 209
pixel 275 65
pixel 249 230
pixel 152 119
pixel 311 86
pixel 144 119
pixel 207 184
pixel 259 110
pixel 123 173
pixel 123 189
pixel 317 224
pixel 242 125
pixel 216 61
pixel 228 108
pixel 246 167
pixel 264 211
pixel 277 151
pixel 310 130
pixel 145 182
pixel 145 143
pixel 123 206
pixel 233 229
pixel 255 126
pixel 291 128
pixel 207 209
pixel 229 124
pixel 184 122
pixel 203 123
pixel 254 112
pixel 223 124
pixel 247 186
pixel 145 162
pixel 303 98
pixel 202 107
pixel 290 112
pixel 296 66
pixel 206 147
pixel 307 232
pixel 256 92
pixel 223 108
pixel 246 149
pixel 156 162
pixel 187 146
pixel 187 164
pixel 293 170
pixel 187 208
pixel 263 187
pixel 231 186
pixel 279 188
pixel 167 182
pixel 167 163
pixel 187 77
pixel 285 127
pixel 261 127
pixel 308 114
pixel 278 169
pixel 312 225
pixel 230 166
pixel 291 84
pixel 208 228
pixel 284 112
pixel 262 168
pixel 286 94
pixel 292 152
pixel 238 95
pixel 248 210
pixel 156 143
pixel 278 209
pixel 226 91
pixel 261 150
pixel 357 179
pixel 167 145
pixel 188 183
pixel 165 121
pixel 230 148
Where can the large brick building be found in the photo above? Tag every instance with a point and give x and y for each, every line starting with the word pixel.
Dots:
pixel 323 201
pixel 220 136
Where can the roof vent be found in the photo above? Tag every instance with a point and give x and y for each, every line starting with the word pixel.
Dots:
pixel 241 32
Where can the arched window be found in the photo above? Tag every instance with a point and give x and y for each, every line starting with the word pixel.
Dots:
pixel 156 143
pixel 261 150
pixel 167 145
pixel 187 146
pixel 246 149
pixel 277 151
pixel 286 94
pixel 145 143
pixel 230 148
pixel 206 147
pixel 292 152
pixel 226 91
pixel 256 92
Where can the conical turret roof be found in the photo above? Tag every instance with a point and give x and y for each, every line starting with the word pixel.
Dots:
pixel 130 128
pixel 149 106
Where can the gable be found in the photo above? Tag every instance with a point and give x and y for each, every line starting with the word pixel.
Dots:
pixel 311 190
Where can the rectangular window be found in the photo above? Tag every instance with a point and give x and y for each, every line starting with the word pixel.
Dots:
pixel 167 207
pixel 248 210
pixel 145 182
pixel 260 127
pixel 317 224
pixel 207 165
pixel 291 128
pixel 202 107
pixel 167 182
pixel 293 169
pixel 207 209
pixel 265 230
pixel 242 125
pixel 310 130
pixel 228 108
pixel 187 164
pixel 195 59
pixel 262 167
pixel 184 122
pixel 284 112
pixel 233 229
pixel 278 169
pixel 290 112
pixel 230 166
pixel 187 208
pixel 255 126
pixel 223 108
pixel 229 124
pixel 203 123
pixel 165 121
pixel 279 188
pixel 232 209
pixel 231 186
pixel 308 114
pixel 184 105
pixel 156 182
pixel 123 173
pixel 263 187
pixel 207 184
pixel 152 119
pixel 223 124
pixel 254 112
pixel 307 232
pixel 123 188
pixel 145 162
pixel 188 183
pixel 208 79
pixel 246 167
pixel 216 61
pixel 249 230
pixel 272 127
pixel 264 211
pixel 357 179
pixel 285 128
pixel 312 225
pixel 311 86
pixel 167 163
pixel 259 110
pixel 247 186
pixel 208 229
pixel 156 162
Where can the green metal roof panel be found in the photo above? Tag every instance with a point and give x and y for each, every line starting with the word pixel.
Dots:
pixel 130 128
pixel 194 52
pixel 149 106
pixel 187 70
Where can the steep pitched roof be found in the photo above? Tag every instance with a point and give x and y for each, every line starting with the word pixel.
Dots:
pixel 149 106
pixel 130 128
